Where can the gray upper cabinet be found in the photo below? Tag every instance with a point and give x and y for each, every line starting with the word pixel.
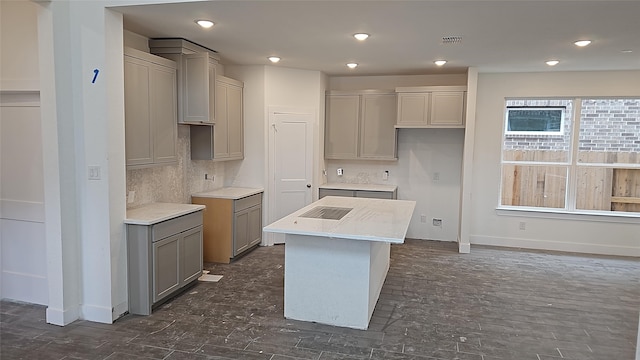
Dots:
pixel 150 109
pixel 341 126
pixel 360 125
pixel 225 140
pixel 196 78
pixel 229 128
pixel 431 107
pixel 196 89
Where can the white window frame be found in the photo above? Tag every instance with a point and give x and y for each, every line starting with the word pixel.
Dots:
pixel 569 211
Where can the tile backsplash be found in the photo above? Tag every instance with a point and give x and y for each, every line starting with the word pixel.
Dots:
pixel 174 183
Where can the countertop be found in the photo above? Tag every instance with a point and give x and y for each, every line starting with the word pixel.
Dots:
pixel 365 187
pixel 232 193
pixel 158 212
pixel 370 219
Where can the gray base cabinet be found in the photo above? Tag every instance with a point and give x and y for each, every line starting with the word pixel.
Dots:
pixel 162 259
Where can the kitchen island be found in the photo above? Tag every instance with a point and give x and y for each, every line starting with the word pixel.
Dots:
pixel 337 257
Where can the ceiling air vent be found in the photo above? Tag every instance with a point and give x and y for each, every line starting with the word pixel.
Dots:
pixel 452 39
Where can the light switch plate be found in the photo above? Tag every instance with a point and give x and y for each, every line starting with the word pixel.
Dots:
pixel 94 173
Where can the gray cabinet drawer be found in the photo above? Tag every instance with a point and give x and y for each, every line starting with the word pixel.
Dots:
pixel 375 194
pixel 247 202
pixel 335 192
pixel 174 226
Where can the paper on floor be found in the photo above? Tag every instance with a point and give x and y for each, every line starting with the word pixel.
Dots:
pixel 210 278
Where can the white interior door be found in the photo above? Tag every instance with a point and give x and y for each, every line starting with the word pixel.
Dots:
pixel 291 165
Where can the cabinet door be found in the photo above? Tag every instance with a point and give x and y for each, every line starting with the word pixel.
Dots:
pixel 240 232
pixel 413 109
pixel 163 113
pixel 255 225
pixel 221 127
pixel 196 89
pixel 138 129
pixel 191 255
pixel 341 126
pixel 377 132
pixel 166 267
pixel 447 108
pixel 235 121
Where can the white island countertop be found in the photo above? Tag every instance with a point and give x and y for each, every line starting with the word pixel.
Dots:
pixel 158 212
pixel 364 187
pixel 233 193
pixel 369 219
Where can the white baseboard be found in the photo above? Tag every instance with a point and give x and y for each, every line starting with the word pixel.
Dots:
pixel 119 310
pixel 62 317
pixel 599 249
pixel 101 314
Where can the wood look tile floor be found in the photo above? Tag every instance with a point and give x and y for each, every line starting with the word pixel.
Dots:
pixel 435 304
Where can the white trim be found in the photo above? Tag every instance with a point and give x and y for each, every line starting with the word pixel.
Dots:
pixel 599 249
pixel 464 248
pixel 19 210
pixel 27 98
pixel 62 317
pixel 101 314
pixel 547 213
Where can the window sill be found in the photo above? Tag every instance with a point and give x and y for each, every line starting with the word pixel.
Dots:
pixel 621 217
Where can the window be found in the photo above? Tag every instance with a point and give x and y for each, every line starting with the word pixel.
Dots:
pixel 575 155
pixel 535 120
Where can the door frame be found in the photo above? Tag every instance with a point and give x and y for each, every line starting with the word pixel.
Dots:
pixel 270 238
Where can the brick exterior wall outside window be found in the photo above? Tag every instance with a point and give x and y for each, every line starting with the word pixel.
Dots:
pixel 610 125
pixel 606 125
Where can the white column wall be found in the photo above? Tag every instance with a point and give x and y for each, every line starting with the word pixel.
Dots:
pixel 555 232
pixel 23 270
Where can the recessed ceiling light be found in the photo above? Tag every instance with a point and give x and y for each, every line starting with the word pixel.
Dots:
pixel 626 51
pixel 352 65
pixel 553 62
pixel 582 43
pixel 273 59
pixel 361 36
pixel 440 62
pixel 205 23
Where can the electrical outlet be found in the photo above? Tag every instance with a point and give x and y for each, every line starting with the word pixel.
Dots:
pixel 522 225
pixel 131 197
pixel 340 172
pixel 207 177
pixel 437 222
pixel 385 175
pixel 423 218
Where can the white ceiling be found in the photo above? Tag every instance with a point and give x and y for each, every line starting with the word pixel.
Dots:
pixel 406 36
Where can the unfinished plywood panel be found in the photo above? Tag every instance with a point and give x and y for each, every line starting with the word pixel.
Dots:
pixel 217 229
